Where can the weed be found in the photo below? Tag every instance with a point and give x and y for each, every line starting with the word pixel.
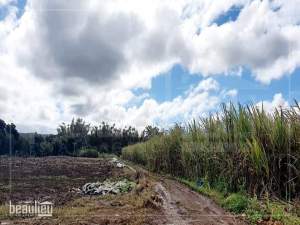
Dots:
pixel 236 203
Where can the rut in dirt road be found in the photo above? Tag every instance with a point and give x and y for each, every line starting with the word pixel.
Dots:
pixel 171 211
pixel 183 206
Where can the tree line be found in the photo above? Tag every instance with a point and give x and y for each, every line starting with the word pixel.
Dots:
pixel 70 139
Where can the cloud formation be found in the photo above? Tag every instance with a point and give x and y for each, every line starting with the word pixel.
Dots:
pixel 5 2
pixel 105 42
pixel 277 102
pixel 98 43
pixel 84 57
pixel 261 39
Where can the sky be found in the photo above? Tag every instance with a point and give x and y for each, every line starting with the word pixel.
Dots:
pixel 150 62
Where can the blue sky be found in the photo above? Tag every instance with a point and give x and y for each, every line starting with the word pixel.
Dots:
pixel 174 83
pixel 20 4
pixel 144 62
pixel 228 16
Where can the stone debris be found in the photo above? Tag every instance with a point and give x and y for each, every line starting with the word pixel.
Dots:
pixel 120 165
pixel 117 162
pixel 107 187
pixel 114 160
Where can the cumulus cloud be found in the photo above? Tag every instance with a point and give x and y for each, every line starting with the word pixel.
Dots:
pixel 106 42
pixel 277 103
pixel 230 93
pixel 24 99
pixel 5 2
pixel 194 103
pixel 84 57
pixel 207 85
pixel 261 39
pixel 99 43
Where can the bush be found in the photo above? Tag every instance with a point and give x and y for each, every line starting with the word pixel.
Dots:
pixel 89 153
pixel 135 153
pixel 236 203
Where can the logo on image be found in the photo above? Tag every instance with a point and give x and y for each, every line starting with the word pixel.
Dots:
pixel 31 209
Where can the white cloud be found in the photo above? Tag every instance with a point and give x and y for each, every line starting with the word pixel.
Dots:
pixel 207 85
pixel 104 43
pixel 193 104
pixel 5 2
pixel 261 39
pixel 277 103
pixel 231 93
pixel 83 58
pixel 8 23
pixel 131 42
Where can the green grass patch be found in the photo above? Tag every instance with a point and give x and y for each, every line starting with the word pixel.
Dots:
pixel 4 212
pixel 254 209
pixel 206 190
pixel 236 203
pixel 89 153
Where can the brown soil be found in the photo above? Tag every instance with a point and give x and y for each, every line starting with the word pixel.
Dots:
pixel 154 201
pixel 50 178
pixel 184 206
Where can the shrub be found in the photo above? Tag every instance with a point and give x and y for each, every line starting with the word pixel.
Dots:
pixel 236 203
pixel 135 153
pixel 88 152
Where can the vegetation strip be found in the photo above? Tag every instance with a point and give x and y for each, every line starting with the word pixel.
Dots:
pixel 241 149
pixel 254 210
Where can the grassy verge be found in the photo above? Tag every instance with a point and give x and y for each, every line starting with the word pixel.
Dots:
pixel 4 212
pixel 253 209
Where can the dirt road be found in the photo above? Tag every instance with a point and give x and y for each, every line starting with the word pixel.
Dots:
pixel 155 200
pixel 183 206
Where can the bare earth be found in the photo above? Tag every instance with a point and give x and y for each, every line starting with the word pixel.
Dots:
pixel 155 200
pixel 184 206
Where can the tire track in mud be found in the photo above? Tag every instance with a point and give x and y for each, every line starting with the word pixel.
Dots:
pixel 183 206
pixel 171 212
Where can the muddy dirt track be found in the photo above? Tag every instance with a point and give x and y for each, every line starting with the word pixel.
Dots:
pixel 155 200
pixel 184 206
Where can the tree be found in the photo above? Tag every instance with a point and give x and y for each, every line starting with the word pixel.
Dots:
pixel 69 140
pixel 9 137
pixel 150 132
pixel 73 136
pixel 46 148
pixel 2 137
